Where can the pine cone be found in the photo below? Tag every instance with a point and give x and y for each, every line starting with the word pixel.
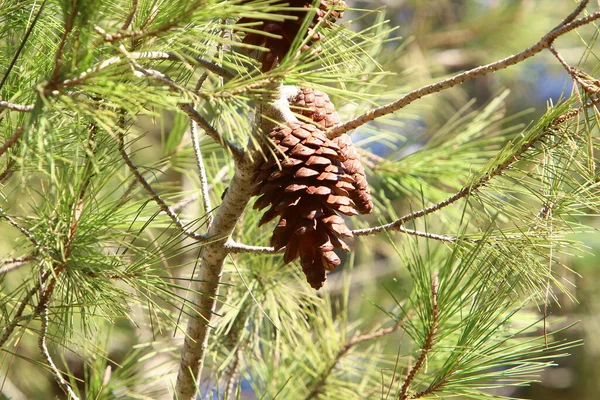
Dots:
pixel 317 106
pixel 353 167
pixel 305 184
pixel 288 28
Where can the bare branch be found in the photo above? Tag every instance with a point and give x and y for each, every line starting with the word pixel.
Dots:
pixel 16 107
pixel 201 171
pixel 236 152
pixel 23 230
pixel 14 263
pixel 574 14
pixel 429 339
pixel 64 385
pixel 155 196
pixel 544 43
pixel 234 247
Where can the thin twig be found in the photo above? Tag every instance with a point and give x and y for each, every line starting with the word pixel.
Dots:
pixel 131 15
pixel 544 43
pixel 58 58
pixel 574 14
pixel 484 180
pixel 236 248
pixel 14 263
pixel 11 140
pixel 18 314
pixel 16 107
pixel 22 229
pixel 156 197
pixel 320 383
pixel 64 385
pixel 236 152
pixel 429 339
pixel 8 171
pixel 201 171
pixel 148 55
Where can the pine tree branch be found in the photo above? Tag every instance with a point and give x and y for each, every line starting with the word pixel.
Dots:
pixel 59 264
pixel 484 180
pixel 213 256
pixel 201 172
pixel 18 314
pixel 236 152
pixel 544 43
pixel 429 339
pixel 237 248
pixel 156 197
pixel 30 28
pixel 11 264
pixel 16 107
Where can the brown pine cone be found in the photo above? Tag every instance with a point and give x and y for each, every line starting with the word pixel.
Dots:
pixel 305 184
pixel 317 106
pixel 289 27
pixel 353 167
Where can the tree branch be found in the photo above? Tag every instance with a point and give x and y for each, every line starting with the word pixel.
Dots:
pixel 156 197
pixel 148 55
pixel 544 43
pixel 320 383
pixel 14 263
pixel 467 190
pixel 187 108
pixel 64 385
pixel 236 152
pixel 236 248
pixel 130 16
pixel 11 140
pixel 16 107
pixel 201 171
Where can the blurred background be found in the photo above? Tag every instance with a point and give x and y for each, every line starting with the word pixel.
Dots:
pixel 448 36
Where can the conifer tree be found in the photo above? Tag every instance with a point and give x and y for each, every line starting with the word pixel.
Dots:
pixel 192 203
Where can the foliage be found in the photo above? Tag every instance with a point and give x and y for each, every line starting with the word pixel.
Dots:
pixel 110 205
